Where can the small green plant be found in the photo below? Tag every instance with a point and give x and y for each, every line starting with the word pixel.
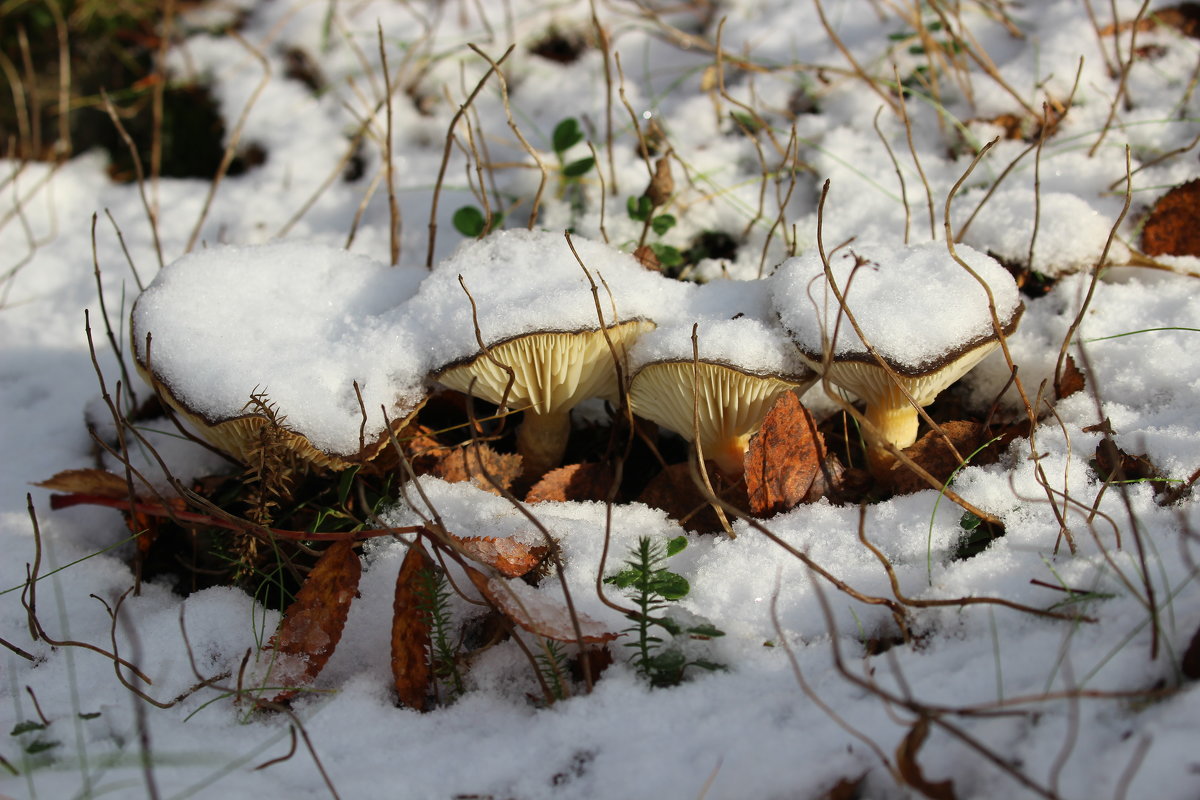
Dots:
pixel 552 663
pixel 434 600
pixel 641 209
pixel 566 135
pixel 652 588
pixel 472 223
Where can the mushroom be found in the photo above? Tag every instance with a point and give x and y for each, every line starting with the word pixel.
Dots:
pixel 742 365
pixel 291 344
pixel 551 373
pixel 531 306
pixel 923 315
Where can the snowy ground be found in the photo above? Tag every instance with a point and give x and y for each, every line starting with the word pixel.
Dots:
pixel 1096 706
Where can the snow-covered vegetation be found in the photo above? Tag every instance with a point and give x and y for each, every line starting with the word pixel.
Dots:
pixel 276 551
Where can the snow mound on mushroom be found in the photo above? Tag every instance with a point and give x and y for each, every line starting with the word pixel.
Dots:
pixel 296 322
pixel 529 281
pixel 915 304
pixel 734 327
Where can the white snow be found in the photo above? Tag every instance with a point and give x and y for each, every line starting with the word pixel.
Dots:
pixel 915 305
pixel 297 323
pixel 1092 705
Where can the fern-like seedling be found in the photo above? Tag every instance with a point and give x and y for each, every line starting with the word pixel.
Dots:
pixel 434 601
pixel 653 588
pixel 552 663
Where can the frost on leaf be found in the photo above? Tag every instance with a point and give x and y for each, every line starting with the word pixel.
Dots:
pixel 528 608
pixel 312 624
pixel 509 557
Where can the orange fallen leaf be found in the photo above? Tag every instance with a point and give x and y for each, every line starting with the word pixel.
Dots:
pixel 932 454
pixel 674 492
pixel 98 482
pixel 479 464
pixel 528 608
pixel 784 459
pixel 574 482
pixel 312 624
pixel 411 671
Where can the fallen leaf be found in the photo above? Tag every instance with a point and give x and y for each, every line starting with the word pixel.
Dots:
pixel 783 461
pixel 510 558
pixel 98 482
pixel 411 671
pixel 573 483
pixel 1173 227
pixel 1071 380
pixel 910 770
pixel 312 624
pixel 1184 17
pixel 479 464
pixel 932 454
pixel 846 789
pixel 674 491
pixel 535 612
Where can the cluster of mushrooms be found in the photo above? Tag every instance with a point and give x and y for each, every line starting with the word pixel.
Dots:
pixel 538 322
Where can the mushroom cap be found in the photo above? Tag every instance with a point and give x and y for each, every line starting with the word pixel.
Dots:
pixel 916 305
pixel 297 323
pixel 552 371
pixel 732 402
pixel 529 282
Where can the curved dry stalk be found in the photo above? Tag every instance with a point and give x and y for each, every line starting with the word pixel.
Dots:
pixel 829 710
pixel 605 46
pixel 643 148
pixel 952 602
pixel 494 66
pixel 699 470
pixel 151 211
pixel 394 220
pixel 896 167
pixel 864 423
pixel 916 159
pixel 854 65
pixel 234 137
pixel 512 124
pixel 1126 67
pixel 980 57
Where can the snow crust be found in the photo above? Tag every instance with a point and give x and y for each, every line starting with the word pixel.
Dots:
pixel 915 305
pixel 529 281
pixel 755 730
pixel 295 322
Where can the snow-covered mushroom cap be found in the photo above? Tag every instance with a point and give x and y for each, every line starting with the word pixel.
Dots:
pixel 294 324
pixel 535 313
pixel 924 315
pixel 742 365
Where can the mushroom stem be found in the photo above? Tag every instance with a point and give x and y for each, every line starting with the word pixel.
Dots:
pixel 729 454
pixel 897 423
pixel 542 440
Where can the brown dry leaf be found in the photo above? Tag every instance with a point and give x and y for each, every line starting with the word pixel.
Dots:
pixel 910 770
pixel 674 491
pixel 784 459
pixel 574 482
pixel 510 558
pixel 474 462
pixel 535 612
pixel 846 789
pixel 98 482
pixel 312 624
pixel 662 185
pixel 410 631
pixel 1071 380
pixel 931 453
pixel 646 257
pixel 1173 227
pixel 1184 18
